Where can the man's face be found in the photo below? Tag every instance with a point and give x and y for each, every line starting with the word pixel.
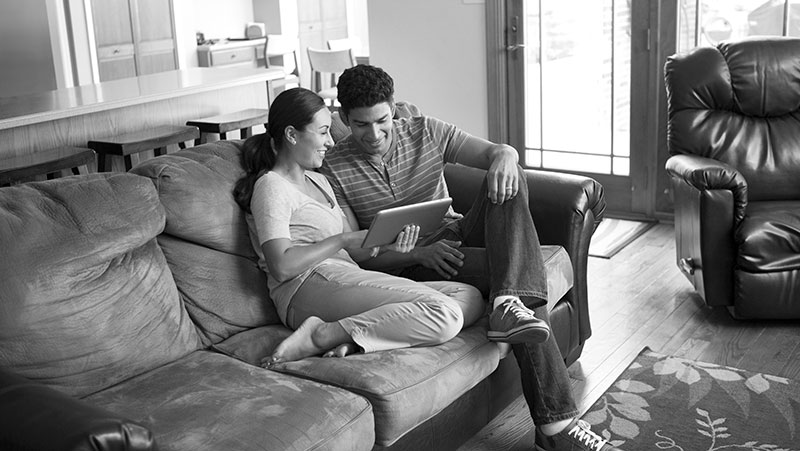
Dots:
pixel 372 127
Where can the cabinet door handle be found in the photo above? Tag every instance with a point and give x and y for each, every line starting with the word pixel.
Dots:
pixel 116 51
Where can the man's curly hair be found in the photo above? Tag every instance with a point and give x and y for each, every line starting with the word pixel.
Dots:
pixel 364 86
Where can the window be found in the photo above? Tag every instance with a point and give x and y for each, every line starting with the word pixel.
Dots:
pixel 707 22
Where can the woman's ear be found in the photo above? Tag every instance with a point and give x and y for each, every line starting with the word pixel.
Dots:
pixel 290 134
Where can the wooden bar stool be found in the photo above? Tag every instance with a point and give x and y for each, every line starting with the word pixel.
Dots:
pixel 49 162
pixel 222 124
pixel 156 139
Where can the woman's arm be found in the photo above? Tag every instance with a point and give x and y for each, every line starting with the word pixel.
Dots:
pixel 286 261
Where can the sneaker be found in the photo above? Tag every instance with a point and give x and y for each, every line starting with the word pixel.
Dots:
pixel 512 322
pixel 577 436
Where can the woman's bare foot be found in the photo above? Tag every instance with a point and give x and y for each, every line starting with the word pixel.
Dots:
pixel 312 338
pixel 342 350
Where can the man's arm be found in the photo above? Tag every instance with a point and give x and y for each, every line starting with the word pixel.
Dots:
pixel 500 162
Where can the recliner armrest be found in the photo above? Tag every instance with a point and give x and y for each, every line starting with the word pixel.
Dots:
pixel 36 417
pixel 706 174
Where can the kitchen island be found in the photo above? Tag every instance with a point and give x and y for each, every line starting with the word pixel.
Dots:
pixel 73 116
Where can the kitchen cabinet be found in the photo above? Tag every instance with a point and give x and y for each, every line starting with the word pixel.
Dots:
pixel 133 37
pixel 231 52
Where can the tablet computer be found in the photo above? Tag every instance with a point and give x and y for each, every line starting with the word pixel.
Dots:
pixel 389 222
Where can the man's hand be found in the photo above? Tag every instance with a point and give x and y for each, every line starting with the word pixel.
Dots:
pixel 442 256
pixel 500 162
pixel 503 177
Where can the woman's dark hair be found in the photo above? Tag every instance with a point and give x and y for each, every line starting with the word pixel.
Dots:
pixel 364 86
pixel 295 107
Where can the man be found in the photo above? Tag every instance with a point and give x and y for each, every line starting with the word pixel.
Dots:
pixel 386 163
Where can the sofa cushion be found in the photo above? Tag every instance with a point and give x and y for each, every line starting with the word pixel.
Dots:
pixel 208 401
pixel 406 386
pixel 206 239
pixel 769 237
pixel 768 261
pixel 87 298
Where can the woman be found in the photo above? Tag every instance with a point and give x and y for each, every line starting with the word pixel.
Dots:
pixel 309 253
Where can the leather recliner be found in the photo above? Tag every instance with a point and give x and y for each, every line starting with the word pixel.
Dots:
pixel 734 141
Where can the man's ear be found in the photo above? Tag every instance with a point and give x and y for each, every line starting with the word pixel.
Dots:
pixel 343 117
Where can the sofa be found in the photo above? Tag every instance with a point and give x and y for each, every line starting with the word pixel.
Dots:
pixel 133 315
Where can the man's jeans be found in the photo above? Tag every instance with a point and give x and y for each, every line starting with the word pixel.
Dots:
pixel 503 257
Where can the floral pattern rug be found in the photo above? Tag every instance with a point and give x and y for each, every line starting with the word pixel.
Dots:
pixel 667 403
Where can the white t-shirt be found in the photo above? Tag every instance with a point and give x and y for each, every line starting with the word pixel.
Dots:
pixel 280 210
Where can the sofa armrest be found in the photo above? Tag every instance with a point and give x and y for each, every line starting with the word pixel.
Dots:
pixel 566 209
pixel 36 417
pixel 705 174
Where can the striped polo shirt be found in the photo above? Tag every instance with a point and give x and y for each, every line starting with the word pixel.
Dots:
pixel 413 172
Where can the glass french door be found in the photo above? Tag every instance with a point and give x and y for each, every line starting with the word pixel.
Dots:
pixel 575 114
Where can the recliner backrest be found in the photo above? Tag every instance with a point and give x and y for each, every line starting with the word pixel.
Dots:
pixel 739 103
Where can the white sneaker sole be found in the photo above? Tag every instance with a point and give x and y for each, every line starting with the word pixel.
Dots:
pixel 531 333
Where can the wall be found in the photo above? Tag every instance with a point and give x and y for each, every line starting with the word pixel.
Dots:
pixel 25 37
pixel 436 53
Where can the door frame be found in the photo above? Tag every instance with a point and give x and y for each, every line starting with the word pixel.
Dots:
pixel 653 31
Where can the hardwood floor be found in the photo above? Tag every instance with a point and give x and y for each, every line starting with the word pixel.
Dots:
pixel 639 298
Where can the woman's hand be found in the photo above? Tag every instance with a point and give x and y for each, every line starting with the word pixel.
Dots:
pixel 406 240
pixel 404 243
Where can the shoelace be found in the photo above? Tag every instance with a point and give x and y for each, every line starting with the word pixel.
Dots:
pixel 582 431
pixel 517 310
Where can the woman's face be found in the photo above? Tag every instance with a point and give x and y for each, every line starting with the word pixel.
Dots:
pixel 313 141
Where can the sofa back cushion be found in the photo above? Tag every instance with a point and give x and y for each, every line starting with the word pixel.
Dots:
pixel 206 240
pixel 87 299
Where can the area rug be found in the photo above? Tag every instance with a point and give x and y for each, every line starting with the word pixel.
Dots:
pixel 666 403
pixel 612 235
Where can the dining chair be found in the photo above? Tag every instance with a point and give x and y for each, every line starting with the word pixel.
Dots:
pixel 328 63
pixel 343 43
pixel 349 43
pixel 284 48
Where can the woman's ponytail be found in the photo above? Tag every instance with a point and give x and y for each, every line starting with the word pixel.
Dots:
pixel 258 157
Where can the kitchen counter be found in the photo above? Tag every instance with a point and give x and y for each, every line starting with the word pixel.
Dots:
pixel 73 116
pixel 52 105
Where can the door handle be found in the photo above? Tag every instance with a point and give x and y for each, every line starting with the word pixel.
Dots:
pixel 514 30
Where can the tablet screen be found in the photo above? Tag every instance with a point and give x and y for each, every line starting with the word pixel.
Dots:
pixel 388 223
